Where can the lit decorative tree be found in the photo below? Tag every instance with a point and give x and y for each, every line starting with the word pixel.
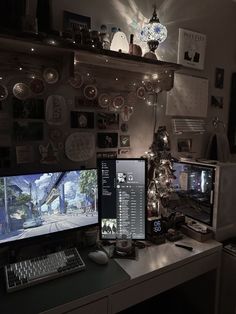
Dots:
pixel 160 172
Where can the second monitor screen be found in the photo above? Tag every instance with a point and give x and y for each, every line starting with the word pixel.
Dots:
pixel 122 198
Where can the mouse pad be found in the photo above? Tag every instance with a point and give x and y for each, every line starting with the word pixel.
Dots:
pixel 63 290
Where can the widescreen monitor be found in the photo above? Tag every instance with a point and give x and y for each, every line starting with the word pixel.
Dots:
pixel 193 191
pixel 122 193
pixel 38 204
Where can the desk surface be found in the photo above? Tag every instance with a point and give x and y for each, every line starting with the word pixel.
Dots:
pixel 62 290
pixel 164 257
pixel 101 280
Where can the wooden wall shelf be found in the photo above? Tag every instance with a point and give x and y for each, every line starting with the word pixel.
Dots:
pixel 58 48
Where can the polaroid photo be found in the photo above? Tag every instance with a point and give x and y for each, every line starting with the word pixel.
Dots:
pixel 82 119
pixel 124 141
pixel 217 101
pixel 28 109
pixel 107 140
pixel 184 145
pixel 107 121
pixel 28 131
pixel 219 78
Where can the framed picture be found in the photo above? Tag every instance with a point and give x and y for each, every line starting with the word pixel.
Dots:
pixel 73 22
pixel 124 141
pixel 107 140
pixel 191 49
pixel 107 121
pixel 232 116
pixel 28 109
pixel 184 145
pixel 219 78
pixel 28 131
pixel 82 119
pixel 217 101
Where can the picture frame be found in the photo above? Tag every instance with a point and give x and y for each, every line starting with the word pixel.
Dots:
pixel 231 117
pixel 219 78
pixel 82 119
pixel 191 49
pixel 73 22
pixel 184 145
pixel 107 121
pixel 107 140
pixel 217 101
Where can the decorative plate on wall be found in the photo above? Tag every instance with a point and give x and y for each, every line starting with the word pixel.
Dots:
pixel 141 92
pixel 104 100
pixel 118 102
pixel 90 92
pixel 80 146
pixel 21 91
pixel 37 86
pixel 51 75
pixel 3 92
pixel 77 80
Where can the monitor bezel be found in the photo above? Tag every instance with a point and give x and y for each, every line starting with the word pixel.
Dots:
pixel 49 237
pixel 201 165
pixel 99 160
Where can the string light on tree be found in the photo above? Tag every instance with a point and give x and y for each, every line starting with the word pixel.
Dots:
pixel 160 172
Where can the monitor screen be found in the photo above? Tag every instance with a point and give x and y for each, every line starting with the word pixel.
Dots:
pixel 44 203
pixel 122 198
pixel 193 191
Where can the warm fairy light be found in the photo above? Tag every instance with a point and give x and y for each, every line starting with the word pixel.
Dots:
pixel 32 49
pixel 20 68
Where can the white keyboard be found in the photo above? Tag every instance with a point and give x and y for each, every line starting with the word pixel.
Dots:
pixel 33 271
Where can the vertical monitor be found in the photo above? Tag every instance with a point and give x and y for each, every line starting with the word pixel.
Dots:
pixel 122 195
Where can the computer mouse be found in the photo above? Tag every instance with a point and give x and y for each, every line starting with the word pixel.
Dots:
pixel 99 257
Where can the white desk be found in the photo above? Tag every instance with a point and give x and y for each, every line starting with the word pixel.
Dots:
pixel 158 269
pixel 163 267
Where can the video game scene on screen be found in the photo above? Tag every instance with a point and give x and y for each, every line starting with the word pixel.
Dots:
pixel 192 191
pixel 43 203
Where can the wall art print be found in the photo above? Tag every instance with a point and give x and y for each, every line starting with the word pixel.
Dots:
pixel 191 49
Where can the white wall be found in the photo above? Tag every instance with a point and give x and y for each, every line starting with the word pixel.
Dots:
pixel 215 18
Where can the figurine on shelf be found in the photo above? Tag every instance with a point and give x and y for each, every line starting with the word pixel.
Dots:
pixel 105 38
pixel 119 42
pixel 133 48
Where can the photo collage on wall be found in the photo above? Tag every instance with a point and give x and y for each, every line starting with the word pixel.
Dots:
pixel 25 114
pixel 47 126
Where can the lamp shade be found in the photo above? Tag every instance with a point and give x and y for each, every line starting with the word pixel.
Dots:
pixel 153 32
